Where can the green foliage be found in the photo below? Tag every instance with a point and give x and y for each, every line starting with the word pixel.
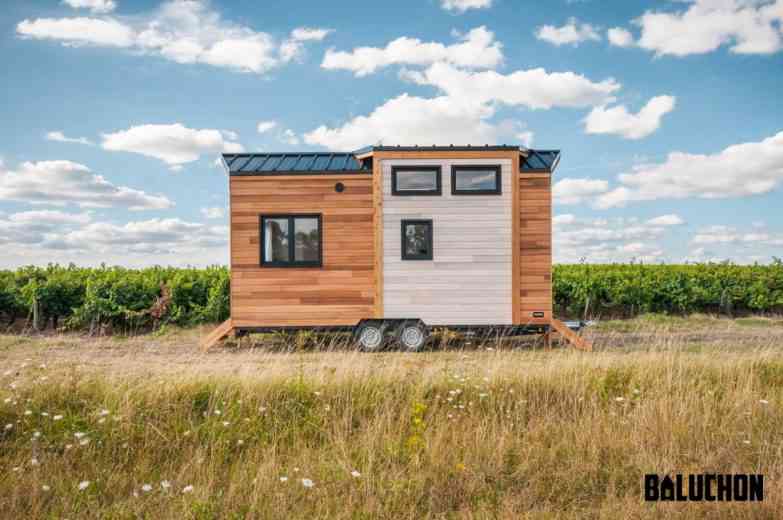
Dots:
pixel 132 300
pixel 625 290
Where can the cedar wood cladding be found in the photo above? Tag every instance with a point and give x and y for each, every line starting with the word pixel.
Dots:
pixel 535 246
pixel 339 293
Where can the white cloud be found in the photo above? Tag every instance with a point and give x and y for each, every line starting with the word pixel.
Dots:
pixel 213 213
pixel 305 34
pixel 477 49
pixel 532 88
pixel 78 31
pixel 36 227
pixel 563 220
pixel 525 138
pixel 95 6
pixel 461 6
pixel 617 120
pixel 183 31
pixel 572 33
pixel 666 220
pixel 174 144
pixel 575 191
pixel 719 234
pixel 66 182
pixel 620 37
pixel 746 26
pixel 599 240
pixel 411 120
pixel 60 137
pixel 739 170
pixel 265 126
pixel 288 136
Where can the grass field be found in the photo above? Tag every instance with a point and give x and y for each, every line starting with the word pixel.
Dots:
pixel 149 427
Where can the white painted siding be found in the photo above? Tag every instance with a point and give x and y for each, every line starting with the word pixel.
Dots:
pixel 468 282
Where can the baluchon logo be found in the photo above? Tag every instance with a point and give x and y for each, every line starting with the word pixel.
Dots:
pixel 708 487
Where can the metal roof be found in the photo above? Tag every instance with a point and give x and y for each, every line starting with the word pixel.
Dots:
pixel 540 161
pixel 292 163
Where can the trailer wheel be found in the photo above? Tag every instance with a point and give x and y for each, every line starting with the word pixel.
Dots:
pixel 413 336
pixel 370 336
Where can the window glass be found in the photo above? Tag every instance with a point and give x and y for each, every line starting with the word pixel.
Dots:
pixel 476 180
pixel 412 180
pixel 417 240
pixel 276 240
pixel 307 239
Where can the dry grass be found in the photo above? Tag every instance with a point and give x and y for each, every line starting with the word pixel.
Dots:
pixel 473 433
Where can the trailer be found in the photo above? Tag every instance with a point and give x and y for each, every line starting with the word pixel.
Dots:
pixel 390 241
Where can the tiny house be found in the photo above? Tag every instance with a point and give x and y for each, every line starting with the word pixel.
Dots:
pixel 389 241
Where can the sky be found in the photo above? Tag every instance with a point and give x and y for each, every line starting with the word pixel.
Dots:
pixel 114 114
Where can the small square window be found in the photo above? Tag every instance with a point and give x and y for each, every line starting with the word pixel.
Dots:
pixel 417 240
pixel 416 180
pixel 475 180
pixel 290 240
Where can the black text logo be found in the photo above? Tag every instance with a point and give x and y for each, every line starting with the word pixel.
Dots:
pixel 709 487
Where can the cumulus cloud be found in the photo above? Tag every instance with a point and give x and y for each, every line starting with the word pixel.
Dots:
pixel 461 6
pixel 66 182
pixel 37 227
pixel 747 27
pixel 463 114
pixel 572 33
pixel 183 31
pixel 737 171
pixel 720 234
pixel 213 213
pixel 618 121
pixel 174 144
pixel 288 136
pixel 148 236
pixel 95 6
pixel 601 240
pixel 265 126
pixel 575 191
pixel 620 37
pixel 476 49
pixel 411 120
pixel 532 88
pixel 666 220
pixel 62 138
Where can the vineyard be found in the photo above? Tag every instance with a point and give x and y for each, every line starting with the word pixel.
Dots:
pixel 134 300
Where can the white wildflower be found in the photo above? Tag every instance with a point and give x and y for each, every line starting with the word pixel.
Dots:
pixel 36 434
pixel 226 423
pixel 146 488
pixel 9 426
pixel 218 412
pixel 83 485
pixel 619 399
pixel 34 462
pixel 306 482
pixel 45 487
pixel 283 479
pixel 240 442
pixel 103 413
pixel 28 412
pixel 187 489
pixel 165 484
pixel 101 420
pixel 763 401
pixel 44 414
pixel 84 442
pixel 79 435
pixel 355 474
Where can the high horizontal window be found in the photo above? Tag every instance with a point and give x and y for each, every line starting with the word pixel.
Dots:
pixel 416 180
pixel 475 180
pixel 291 240
pixel 417 240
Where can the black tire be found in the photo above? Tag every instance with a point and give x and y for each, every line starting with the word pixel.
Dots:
pixel 370 336
pixel 412 336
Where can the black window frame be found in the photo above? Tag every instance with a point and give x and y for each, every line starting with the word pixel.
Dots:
pixel 421 193
pixel 476 167
pixel 430 241
pixel 291 262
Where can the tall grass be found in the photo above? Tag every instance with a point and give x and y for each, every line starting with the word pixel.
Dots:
pixel 469 434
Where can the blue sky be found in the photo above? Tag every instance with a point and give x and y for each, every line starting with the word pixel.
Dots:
pixel 668 114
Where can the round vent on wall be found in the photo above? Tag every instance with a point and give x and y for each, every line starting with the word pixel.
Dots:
pixel 339 187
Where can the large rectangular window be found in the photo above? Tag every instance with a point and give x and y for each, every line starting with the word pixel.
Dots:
pixel 475 180
pixel 416 180
pixel 417 240
pixel 291 240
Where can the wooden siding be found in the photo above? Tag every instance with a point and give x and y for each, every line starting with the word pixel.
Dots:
pixel 339 293
pixel 469 280
pixel 535 247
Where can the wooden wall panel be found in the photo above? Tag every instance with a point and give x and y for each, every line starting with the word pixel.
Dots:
pixel 470 279
pixel 535 247
pixel 342 292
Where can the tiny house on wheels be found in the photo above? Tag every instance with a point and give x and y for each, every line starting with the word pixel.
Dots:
pixel 388 241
